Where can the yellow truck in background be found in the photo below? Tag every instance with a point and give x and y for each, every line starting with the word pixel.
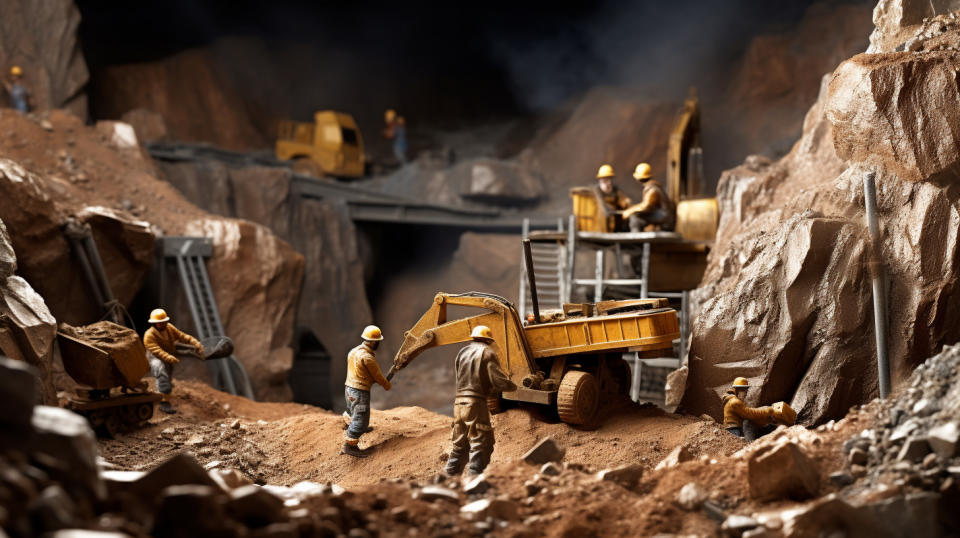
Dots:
pixel 330 146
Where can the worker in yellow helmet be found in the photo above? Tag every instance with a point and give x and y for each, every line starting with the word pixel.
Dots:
pixel 161 343
pixel 362 372
pixel 479 377
pixel 655 209
pixel 17 91
pixel 612 201
pixel 735 411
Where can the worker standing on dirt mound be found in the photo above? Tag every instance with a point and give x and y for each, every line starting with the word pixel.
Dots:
pixel 161 343
pixel 479 377
pixel 362 372
pixel 735 411
pixel 654 208
pixel 612 200
pixel 19 94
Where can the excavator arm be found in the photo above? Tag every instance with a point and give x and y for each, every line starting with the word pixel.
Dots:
pixel 433 330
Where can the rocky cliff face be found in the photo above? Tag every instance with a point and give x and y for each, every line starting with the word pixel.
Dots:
pixel 53 167
pixel 788 285
pixel 41 37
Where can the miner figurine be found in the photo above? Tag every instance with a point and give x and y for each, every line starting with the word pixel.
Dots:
pixel 612 200
pixel 161 343
pixel 479 377
pixel 17 91
pixel 735 411
pixel 654 209
pixel 362 372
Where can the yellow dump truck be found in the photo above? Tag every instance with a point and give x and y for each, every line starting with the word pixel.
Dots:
pixel 569 360
pixel 330 146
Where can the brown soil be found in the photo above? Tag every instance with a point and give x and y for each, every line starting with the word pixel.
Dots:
pixel 282 443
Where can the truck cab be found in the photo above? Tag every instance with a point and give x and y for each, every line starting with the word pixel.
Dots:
pixel 330 146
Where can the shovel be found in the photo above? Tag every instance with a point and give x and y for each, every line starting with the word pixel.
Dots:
pixel 215 347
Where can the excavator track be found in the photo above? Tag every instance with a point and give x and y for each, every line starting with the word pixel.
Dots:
pixel 578 397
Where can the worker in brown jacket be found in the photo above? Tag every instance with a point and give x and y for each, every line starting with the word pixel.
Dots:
pixel 161 343
pixel 612 200
pixel 654 208
pixel 735 411
pixel 362 372
pixel 479 377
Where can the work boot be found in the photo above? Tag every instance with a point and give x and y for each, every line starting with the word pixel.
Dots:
pixel 353 450
pixel 167 408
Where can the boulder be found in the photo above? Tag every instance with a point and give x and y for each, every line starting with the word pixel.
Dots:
pixel 899 21
pixel 18 395
pixel 944 439
pixel 255 506
pixel 433 493
pixel 691 496
pixel 914 450
pixel 625 475
pixel 8 259
pixel 502 509
pixel 192 510
pixel 147 124
pixel 546 450
pixel 476 485
pixel 675 457
pixel 495 181
pixel 67 439
pixel 782 470
pixel 52 60
pixel 180 469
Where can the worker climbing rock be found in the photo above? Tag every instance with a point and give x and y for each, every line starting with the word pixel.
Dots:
pixel 161 343
pixel 479 377
pixel 612 201
pixel 18 92
pixel 362 372
pixel 655 207
pixel 735 411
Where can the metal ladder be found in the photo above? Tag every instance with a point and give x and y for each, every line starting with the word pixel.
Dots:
pixel 190 253
pixel 549 262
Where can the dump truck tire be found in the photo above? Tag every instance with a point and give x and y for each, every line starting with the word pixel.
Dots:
pixel 578 397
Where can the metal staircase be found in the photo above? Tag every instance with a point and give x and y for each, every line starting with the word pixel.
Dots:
pixel 189 254
pixel 549 263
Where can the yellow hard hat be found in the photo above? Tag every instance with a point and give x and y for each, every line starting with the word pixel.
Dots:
pixel 481 332
pixel 159 315
pixel 16 71
pixel 390 114
pixel 605 171
pixel 642 172
pixel 741 383
pixel 372 333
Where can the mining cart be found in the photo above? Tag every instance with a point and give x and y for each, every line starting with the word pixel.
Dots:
pixel 108 361
pixel 567 359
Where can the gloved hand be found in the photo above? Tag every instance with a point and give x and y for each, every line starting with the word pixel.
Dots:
pixel 172 360
pixel 200 350
pixel 387 386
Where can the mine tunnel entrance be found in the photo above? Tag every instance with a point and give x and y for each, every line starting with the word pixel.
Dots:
pixel 309 377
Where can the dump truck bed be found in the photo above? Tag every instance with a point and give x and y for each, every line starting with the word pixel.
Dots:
pixel 642 330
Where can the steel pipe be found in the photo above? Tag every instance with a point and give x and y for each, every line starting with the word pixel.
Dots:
pixel 879 290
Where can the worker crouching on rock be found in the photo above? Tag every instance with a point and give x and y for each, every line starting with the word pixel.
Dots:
pixel 362 372
pixel 479 377
pixel 735 411
pixel 161 343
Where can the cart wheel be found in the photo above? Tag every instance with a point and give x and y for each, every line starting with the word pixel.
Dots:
pixel 145 411
pixel 112 425
pixel 577 397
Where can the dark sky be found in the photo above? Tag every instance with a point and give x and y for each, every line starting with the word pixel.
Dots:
pixel 518 56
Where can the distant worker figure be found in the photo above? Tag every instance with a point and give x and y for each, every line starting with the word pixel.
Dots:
pixel 479 377
pixel 400 140
pixel 362 372
pixel 612 200
pixel 655 208
pixel 161 343
pixel 18 92
pixel 735 411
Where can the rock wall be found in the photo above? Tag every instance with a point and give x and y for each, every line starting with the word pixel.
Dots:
pixel 787 291
pixel 41 37
pixel 333 303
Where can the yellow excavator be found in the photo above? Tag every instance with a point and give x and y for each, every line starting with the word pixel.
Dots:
pixel 330 146
pixel 567 359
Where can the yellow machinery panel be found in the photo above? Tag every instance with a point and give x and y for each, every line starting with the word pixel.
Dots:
pixel 636 331
pixel 586 208
pixel 332 143
pixel 697 219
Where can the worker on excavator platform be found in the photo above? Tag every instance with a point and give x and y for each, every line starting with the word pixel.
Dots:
pixel 18 92
pixel 655 209
pixel 479 377
pixel 362 372
pixel 161 343
pixel 735 411
pixel 612 200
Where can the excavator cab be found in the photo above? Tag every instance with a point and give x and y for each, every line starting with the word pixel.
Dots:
pixel 330 146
